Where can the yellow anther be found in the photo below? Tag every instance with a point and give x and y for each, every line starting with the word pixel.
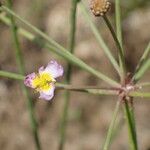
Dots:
pixel 42 82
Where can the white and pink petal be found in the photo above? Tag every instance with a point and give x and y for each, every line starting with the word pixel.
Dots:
pixel 47 95
pixel 28 79
pixel 54 69
pixel 41 70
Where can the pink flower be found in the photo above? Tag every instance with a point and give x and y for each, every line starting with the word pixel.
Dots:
pixel 44 80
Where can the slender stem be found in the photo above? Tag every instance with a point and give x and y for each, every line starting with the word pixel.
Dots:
pixel 111 127
pixel 94 91
pixel 131 109
pixel 21 70
pixel 143 84
pixel 119 37
pixel 16 76
pixel 119 46
pixel 84 66
pixel 140 94
pixel 33 120
pixel 129 113
pixel 99 38
pixel 142 70
pixel 89 89
pixel 131 130
pixel 141 63
pixel 68 74
pixel 58 49
pixel 16 41
pixel 118 127
pixel 118 22
pixel 72 87
pixel 11 75
pixel 64 120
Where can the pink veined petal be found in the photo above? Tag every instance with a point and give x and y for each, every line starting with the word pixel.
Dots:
pixel 54 69
pixel 28 79
pixel 48 95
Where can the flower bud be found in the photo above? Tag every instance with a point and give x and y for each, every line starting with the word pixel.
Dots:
pixel 100 7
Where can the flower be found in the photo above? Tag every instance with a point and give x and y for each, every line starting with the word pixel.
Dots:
pixel 44 80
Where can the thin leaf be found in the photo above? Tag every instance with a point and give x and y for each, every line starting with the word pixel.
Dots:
pixel 120 49
pixel 111 127
pixel 143 84
pixel 143 63
pixel 142 70
pixel 11 75
pixel 140 94
pixel 131 130
pixel 119 37
pixel 118 22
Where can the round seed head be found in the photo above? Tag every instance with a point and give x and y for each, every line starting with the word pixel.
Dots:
pixel 99 7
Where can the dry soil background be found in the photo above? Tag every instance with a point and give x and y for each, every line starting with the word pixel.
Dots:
pixel 89 115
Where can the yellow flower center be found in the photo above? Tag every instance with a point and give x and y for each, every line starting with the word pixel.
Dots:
pixel 42 82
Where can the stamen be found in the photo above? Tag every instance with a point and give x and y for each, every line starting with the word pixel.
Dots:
pixel 42 82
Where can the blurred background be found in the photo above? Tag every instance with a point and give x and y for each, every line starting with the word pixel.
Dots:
pixel 89 115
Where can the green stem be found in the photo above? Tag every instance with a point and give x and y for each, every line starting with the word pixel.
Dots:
pixel 139 69
pixel 142 70
pixel 111 127
pixel 89 89
pixel 74 60
pixel 129 113
pixel 11 75
pixel 143 84
pixel 119 46
pixel 64 120
pixel 131 126
pixel 119 37
pixel 140 94
pixel 68 75
pixel 16 40
pixel 58 49
pixel 131 110
pixel 33 120
pixel 21 69
pixel 99 38
pixel 118 22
